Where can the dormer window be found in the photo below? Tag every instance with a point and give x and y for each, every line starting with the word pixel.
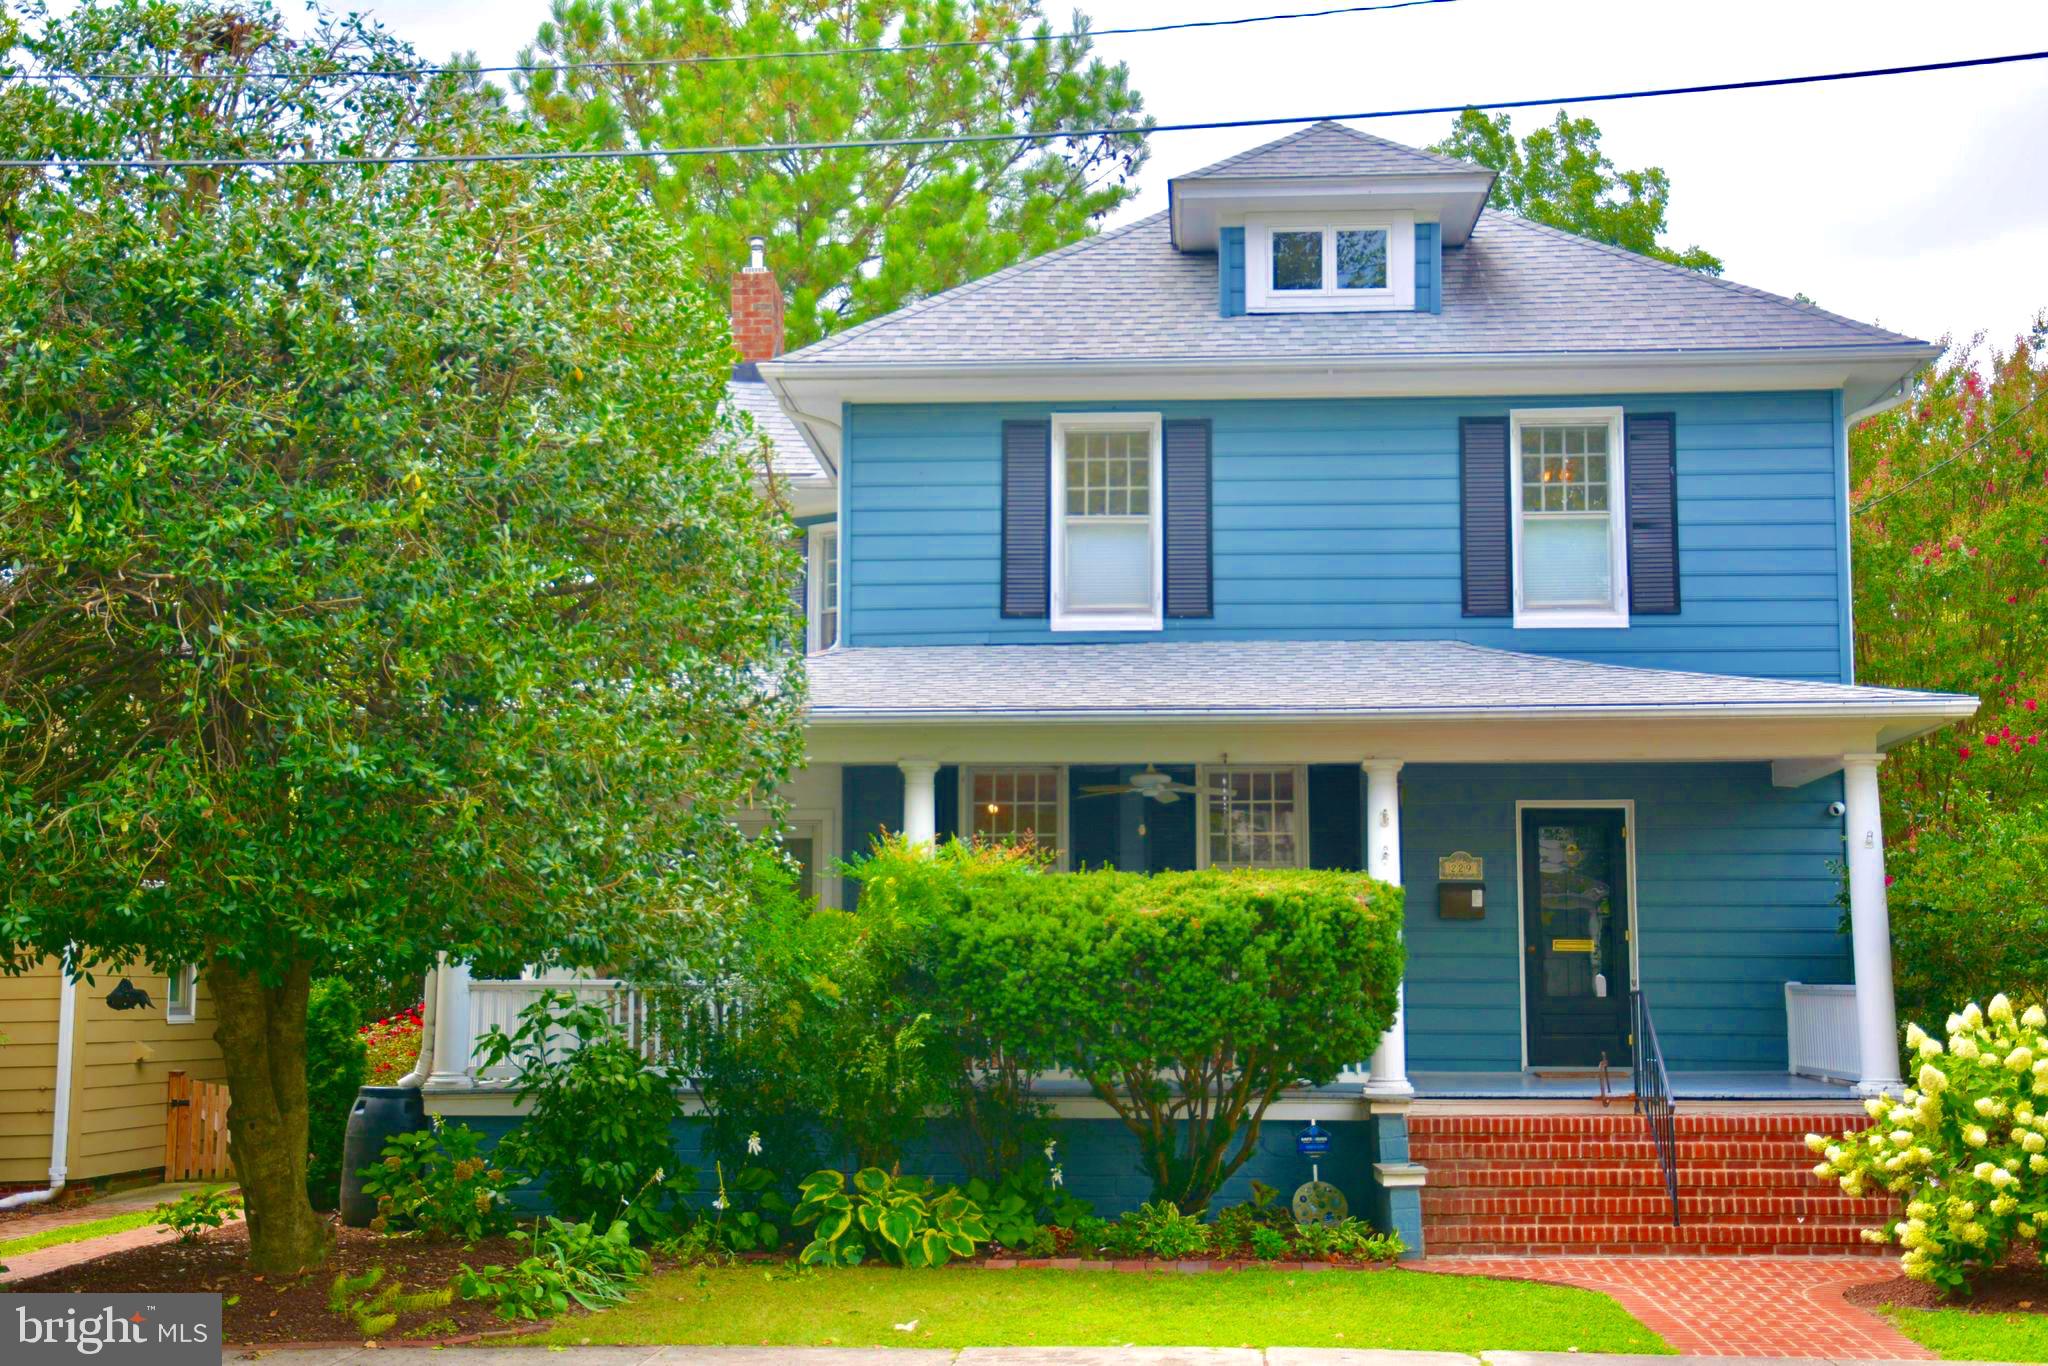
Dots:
pixel 1302 264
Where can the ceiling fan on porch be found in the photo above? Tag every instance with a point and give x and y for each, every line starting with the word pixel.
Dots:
pixel 1160 787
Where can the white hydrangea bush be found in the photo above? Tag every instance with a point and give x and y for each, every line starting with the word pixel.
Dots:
pixel 1965 1148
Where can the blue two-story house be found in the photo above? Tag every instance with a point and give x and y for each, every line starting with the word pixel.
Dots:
pixel 1331 519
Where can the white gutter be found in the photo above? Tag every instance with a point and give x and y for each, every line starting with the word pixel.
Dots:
pixel 1960 705
pixel 60 1121
pixel 779 373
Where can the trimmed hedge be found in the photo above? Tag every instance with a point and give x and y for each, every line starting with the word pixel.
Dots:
pixel 1189 1001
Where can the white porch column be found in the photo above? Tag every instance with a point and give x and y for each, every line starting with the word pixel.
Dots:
pixel 1870 927
pixel 920 800
pixel 1389 1080
pixel 451 1024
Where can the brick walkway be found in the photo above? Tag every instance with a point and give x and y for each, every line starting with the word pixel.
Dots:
pixel 22 1265
pixel 1727 1306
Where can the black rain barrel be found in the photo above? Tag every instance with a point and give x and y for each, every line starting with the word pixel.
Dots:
pixel 380 1113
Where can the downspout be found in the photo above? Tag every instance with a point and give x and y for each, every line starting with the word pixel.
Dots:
pixel 424 1063
pixel 60 1122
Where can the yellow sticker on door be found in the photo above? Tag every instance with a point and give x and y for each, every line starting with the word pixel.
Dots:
pixel 1571 946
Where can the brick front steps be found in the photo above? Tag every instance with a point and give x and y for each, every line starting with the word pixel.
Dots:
pixel 1570 1182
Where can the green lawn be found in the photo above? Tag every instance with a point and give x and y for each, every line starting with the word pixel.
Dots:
pixel 1961 1335
pixel 972 1307
pixel 72 1233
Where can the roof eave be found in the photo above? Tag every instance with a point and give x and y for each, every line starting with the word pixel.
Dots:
pixel 1870 375
pixel 1935 711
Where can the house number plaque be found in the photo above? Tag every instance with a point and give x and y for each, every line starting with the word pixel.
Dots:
pixel 1460 867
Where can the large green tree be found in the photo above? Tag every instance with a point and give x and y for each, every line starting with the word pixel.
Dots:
pixel 851 234
pixel 1558 175
pixel 376 575
pixel 1950 528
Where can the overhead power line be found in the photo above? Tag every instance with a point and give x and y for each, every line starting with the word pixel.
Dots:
pixel 714 58
pixel 970 139
pixel 2015 415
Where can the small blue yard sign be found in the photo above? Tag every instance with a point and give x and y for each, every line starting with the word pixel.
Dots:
pixel 1314 1141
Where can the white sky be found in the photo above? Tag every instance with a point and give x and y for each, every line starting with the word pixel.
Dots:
pixel 1918 202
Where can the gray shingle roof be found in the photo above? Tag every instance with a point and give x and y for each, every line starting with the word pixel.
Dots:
pixel 1516 288
pixel 793 459
pixel 1331 149
pixel 1299 678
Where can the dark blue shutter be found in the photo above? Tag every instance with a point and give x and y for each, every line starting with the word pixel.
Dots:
pixel 1093 823
pixel 1189 576
pixel 1483 492
pixel 1336 816
pixel 1027 518
pixel 1429 268
pixel 801 592
pixel 1230 272
pixel 1649 442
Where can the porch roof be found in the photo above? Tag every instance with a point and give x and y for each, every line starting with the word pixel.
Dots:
pixel 1412 680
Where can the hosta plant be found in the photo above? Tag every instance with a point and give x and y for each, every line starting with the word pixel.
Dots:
pixel 901 1219
pixel 1965 1148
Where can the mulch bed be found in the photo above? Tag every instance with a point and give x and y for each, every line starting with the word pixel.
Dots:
pixel 2010 1290
pixel 257 1309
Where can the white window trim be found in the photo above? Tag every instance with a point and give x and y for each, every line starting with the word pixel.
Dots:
pixel 814 603
pixel 1615 615
pixel 1061 619
pixel 824 825
pixel 188 973
pixel 965 821
pixel 1300 771
pixel 1261 297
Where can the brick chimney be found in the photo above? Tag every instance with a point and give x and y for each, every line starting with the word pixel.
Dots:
pixel 757 307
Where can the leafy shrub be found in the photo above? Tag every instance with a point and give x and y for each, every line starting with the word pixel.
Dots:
pixel 901 1219
pixel 1190 1001
pixel 744 1211
pixel 1268 1244
pixel 1166 1232
pixel 436 1182
pixel 335 1070
pixel 1969 907
pixel 565 1262
pixel 1355 1238
pixel 598 1126
pixel 1020 1205
pixel 197 1212
pixel 375 1312
pixel 1965 1149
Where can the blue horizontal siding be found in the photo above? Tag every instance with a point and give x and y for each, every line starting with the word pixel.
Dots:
pixel 1338 519
pixel 1735 896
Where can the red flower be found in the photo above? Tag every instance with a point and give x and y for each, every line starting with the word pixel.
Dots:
pixel 2032 704
pixel 1992 740
pixel 2012 599
pixel 1887 879
pixel 1962 751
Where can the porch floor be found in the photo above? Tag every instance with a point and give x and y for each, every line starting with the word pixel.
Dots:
pixel 1695 1086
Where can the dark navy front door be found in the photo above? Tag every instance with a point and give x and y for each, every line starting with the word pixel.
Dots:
pixel 1575 936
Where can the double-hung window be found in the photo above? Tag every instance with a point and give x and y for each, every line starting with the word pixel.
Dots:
pixel 1016 806
pixel 1570 536
pixel 823 559
pixel 1307 264
pixel 1106 522
pixel 1254 817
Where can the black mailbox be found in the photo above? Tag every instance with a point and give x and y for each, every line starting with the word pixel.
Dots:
pixel 1461 900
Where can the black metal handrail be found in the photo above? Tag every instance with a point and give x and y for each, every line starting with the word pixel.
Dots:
pixel 1653 1094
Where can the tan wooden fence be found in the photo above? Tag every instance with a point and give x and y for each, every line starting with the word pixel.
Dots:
pixel 196 1130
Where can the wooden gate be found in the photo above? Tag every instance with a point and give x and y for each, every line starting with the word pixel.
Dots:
pixel 196 1130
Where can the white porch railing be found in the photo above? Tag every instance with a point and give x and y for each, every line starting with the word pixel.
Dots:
pixel 497 1003
pixel 1820 1032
